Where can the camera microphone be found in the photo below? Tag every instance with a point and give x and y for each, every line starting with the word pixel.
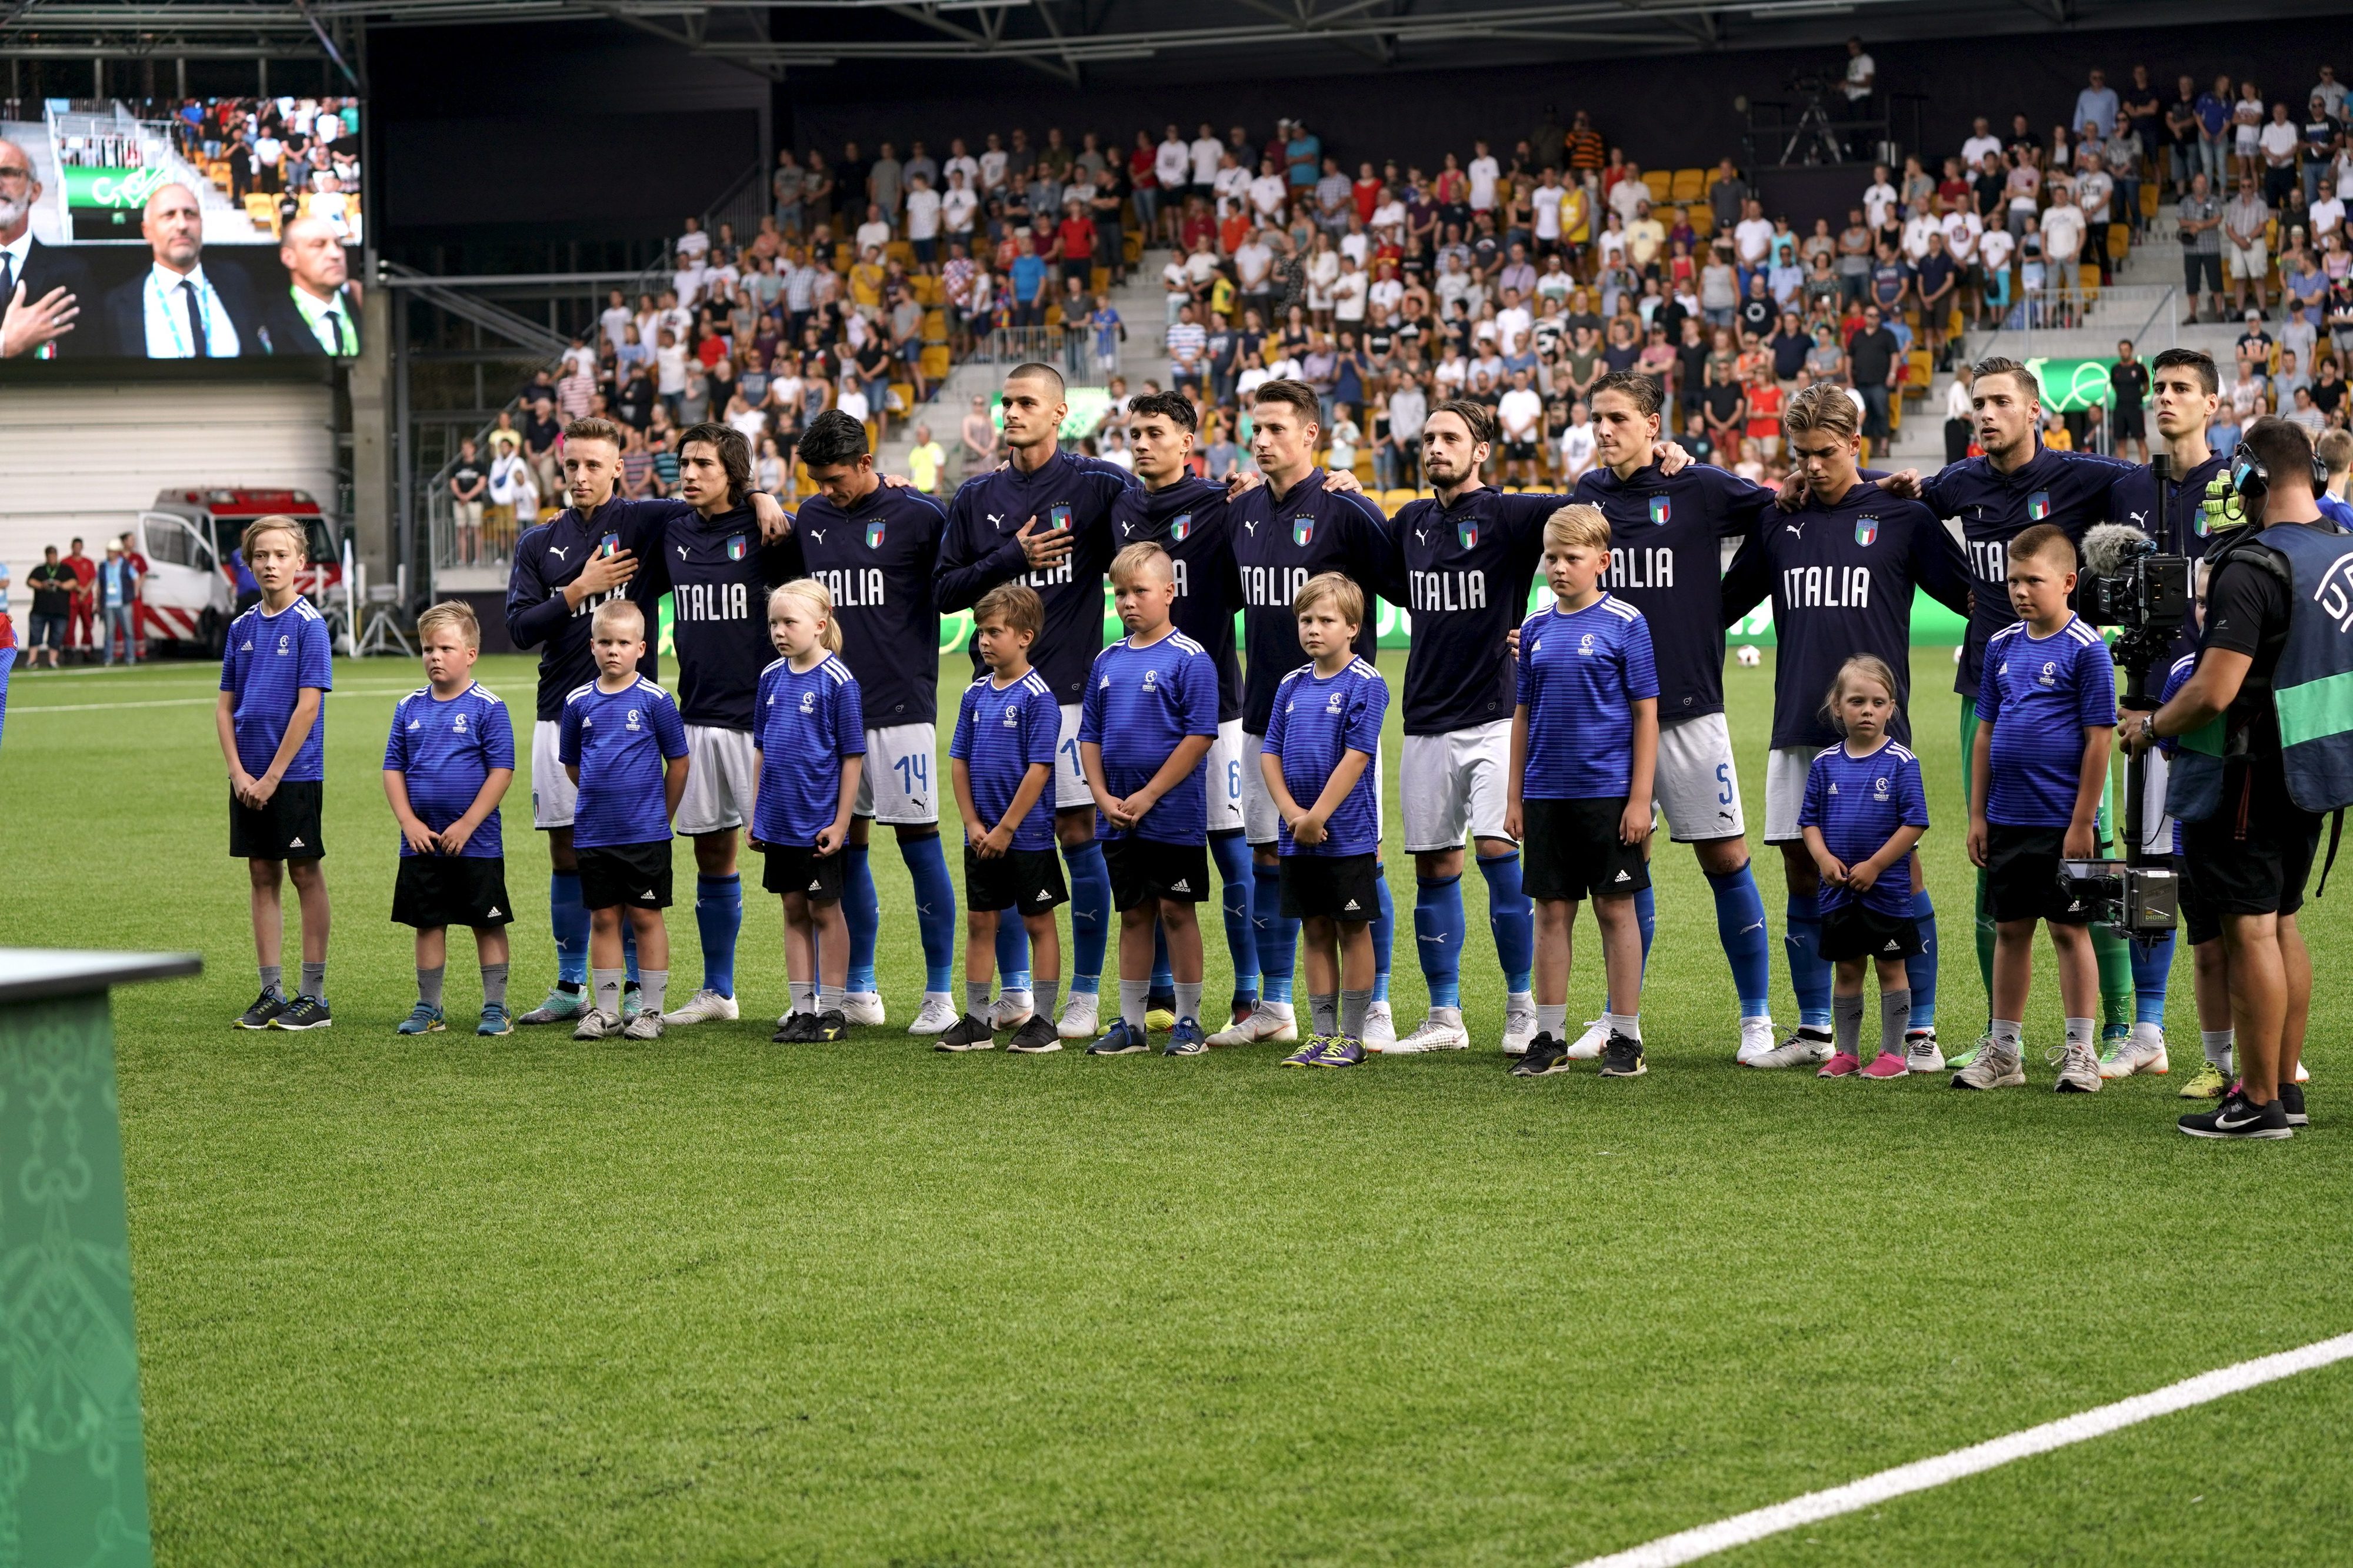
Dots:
pixel 2109 549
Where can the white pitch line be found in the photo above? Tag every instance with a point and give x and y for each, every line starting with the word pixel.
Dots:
pixel 1690 1545
pixel 205 701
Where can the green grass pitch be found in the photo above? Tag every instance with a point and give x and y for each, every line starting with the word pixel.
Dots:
pixel 715 1301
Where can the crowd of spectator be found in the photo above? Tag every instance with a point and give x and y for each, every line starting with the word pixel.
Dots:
pixel 84 608
pixel 295 157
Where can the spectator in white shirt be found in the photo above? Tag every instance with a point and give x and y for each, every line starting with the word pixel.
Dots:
pixel 1209 157
pixel 1754 237
pixel 923 222
pixel 1267 192
pixel 1916 230
pixel 875 232
pixel 2062 244
pixel 1981 144
pixel 959 207
pixel 992 165
pixel 960 163
pixel 1232 184
pixel 693 243
pixel 614 320
pixel 1520 412
pixel 2328 214
pixel 1575 444
pixel 1483 172
pixel 1349 292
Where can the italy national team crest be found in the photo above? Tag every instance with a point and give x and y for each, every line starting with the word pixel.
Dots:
pixel 1467 532
pixel 2038 506
pixel 1866 529
pixel 1179 528
pixel 1662 509
pixel 874 535
pixel 1303 528
pixel 1058 516
pixel 735 548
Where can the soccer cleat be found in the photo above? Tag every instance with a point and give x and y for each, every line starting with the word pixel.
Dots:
pixel 495 1020
pixel 863 1007
pixel 937 1015
pixel 1993 1065
pixel 1756 1039
pixel 829 1025
pixel 1961 1059
pixel 1081 1013
pixel 1920 1052
pixel 1123 1040
pixel 2141 1051
pixel 1545 1056
pixel 1588 1044
pixel 1380 1027
pixel 794 1029
pixel 1519 1029
pixel 705 1006
pixel 1034 1039
pixel 2079 1068
pixel 1160 1013
pixel 1306 1056
pixel 2236 1118
pixel 1436 1034
pixel 646 1025
pixel 1892 1064
pixel 1802 1050
pixel 1268 1021
pixel 2210 1082
pixel 1623 1057
pixel 630 1000
pixel 265 1007
pixel 969 1033
pixel 597 1025
pixel 1845 1064
pixel 303 1013
pixel 1007 1012
pixel 2291 1101
pixel 1187 1040
pixel 562 1007
pixel 1341 1051
pixel 423 1019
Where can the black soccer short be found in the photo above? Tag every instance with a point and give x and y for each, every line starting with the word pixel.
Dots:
pixel 636 875
pixel 1855 930
pixel 2022 875
pixel 1029 880
pixel 451 890
pixel 1573 850
pixel 799 868
pixel 2253 856
pixel 1332 887
pixel 1143 869
pixel 2129 422
pixel 286 829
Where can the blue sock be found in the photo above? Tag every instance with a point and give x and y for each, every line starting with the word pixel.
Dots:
pixel 861 911
pixel 1438 937
pixel 1013 956
pixel 1646 918
pixel 1740 926
pixel 1809 972
pixel 628 948
pixel 935 907
pixel 2152 964
pixel 1278 939
pixel 1511 919
pixel 570 918
pixel 1231 853
pixel 1384 932
pixel 718 915
pixel 1090 913
pixel 1164 979
pixel 1922 970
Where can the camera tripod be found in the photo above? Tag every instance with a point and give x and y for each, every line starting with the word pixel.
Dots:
pixel 1815 135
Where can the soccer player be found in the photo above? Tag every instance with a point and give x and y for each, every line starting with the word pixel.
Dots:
pixel 276 670
pixel 876 547
pixel 1002 760
pixel 1187 516
pixel 1322 737
pixel 721 568
pixel 1584 748
pixel 623 748
pixel 2046 716
pixel 1841 570
pixel 1044 520
pixel 1151 713
pixel 1293 527
pixel 1667 530
pixel 812 750
pixel 447 765
pixel 1864 809
pixel 602 548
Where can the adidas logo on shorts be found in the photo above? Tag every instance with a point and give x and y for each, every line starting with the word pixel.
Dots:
pixel 1044 894
pixel 815 887
pixel 1621 876
pixel 1352 903
pixel 295 843
pixel 498 914
pixel 650 892
pixel 1893 946
pixel 1182 885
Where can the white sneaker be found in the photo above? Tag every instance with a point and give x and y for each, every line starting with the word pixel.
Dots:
pixel 597 1025
pixel 2079 1067
pixel 1800 1050
pixel 2143 1050
pixel 1009 1011
pixel 938 1016
pixel 862 1007
pixel 1380 1027
pixel 1588 1044
pixel 705 1006
pixel 1921 1052
pixel 1756 1039
pixel 1997 1065
pixel 1519 1026
pixel 644 1027
pixel 1268 1021
pixel 1080 1011
pixel 1443 1030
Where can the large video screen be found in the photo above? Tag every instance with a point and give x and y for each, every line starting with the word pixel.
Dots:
pixel 220 228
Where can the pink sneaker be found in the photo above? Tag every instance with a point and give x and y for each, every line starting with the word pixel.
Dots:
pixel 1886 1063
pixel 1846 1064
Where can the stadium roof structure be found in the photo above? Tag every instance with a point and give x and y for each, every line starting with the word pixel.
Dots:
pixel 1097 41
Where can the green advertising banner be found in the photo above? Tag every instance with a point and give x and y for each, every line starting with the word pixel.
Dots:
pixel 111 187
pixel 2071 386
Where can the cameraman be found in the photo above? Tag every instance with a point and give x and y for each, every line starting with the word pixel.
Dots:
pixel 2250 821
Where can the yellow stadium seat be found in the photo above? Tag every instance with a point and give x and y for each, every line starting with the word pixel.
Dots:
pixel 2088 278
pixel 2119 241
pixel 1703 221
pixel 935 362
pixel 1364 470
pixel 927 288
pixel 841 256
pixel 1099 279
pixel 936 327
pixel 873 436
pixel 2149 198
pixel 899 251
pixel 1690 186
pixel 1054 313
pixel 1392 500
pixel 1131 245
pixel 902 395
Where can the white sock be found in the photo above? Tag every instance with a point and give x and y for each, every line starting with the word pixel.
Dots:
pixel 803 995
pixel 607 984
pixel 1446 1015
pixel 1553 1019
pixel 2149 1034
pixel 2217 1045
pixel 652 984
pixel 1188 1002
pixel 1627 1023
pixel 2009 1033
pixel 1133 995
pixel 2083 1031
pixel 1524 1001
pixel 828 998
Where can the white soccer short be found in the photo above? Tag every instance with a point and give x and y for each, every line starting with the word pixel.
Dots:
pixel 1787 768
pixel 1070 779
pixel 1232 763
pixel 553 793
pixel 1698 787
pixel 896 784
pixel 721 780
pixel 1453 783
